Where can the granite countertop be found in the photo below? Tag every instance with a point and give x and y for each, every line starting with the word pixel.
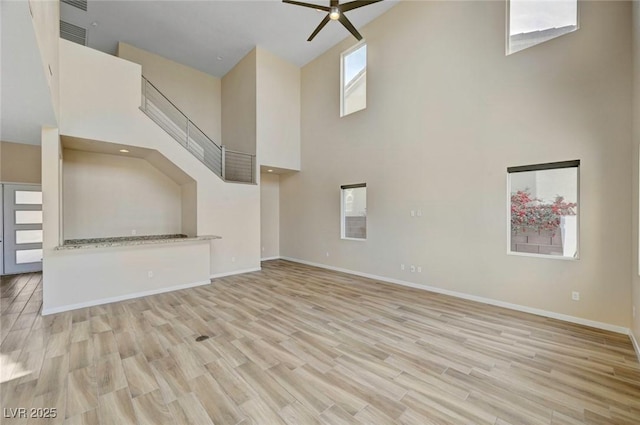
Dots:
pixel 130 241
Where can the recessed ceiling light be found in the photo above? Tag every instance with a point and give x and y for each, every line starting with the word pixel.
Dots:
pixel 271 171
pixel 94 23
pixel 124 151
pixel 219 58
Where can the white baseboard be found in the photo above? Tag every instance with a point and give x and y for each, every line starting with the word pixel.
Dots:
pixel 277 257
pixel 517 307
pixel 636 346
pixel 47 311
pixel 235 272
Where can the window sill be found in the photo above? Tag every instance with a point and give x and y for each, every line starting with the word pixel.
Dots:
pixel 550 257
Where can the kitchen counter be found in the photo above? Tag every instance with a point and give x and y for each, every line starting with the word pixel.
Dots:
pixel 71 244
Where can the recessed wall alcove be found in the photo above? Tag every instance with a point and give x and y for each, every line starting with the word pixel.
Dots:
pixel 112 190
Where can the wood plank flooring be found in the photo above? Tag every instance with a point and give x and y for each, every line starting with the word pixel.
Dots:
pixel 298 345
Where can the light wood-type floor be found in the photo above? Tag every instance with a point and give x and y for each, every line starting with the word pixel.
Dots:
pixel 299 345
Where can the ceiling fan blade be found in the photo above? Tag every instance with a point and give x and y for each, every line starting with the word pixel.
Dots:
pixel 348 25
pixel 345 7
pixel 317 30
pixel 309 5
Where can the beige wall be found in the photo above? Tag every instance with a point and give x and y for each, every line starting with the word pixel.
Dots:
pixel 195 93
pixel 46 22
pixel 447 113
pixel 51 193
pixel 270 215
pixel 278 111
pixel 635 270
pixel 110 195
pixel 239 106
pixel 20 163
pixel 86 277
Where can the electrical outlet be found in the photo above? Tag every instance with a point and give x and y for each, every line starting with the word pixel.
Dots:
pixel 413 269
pixel 233 259
pixel 419 213
pixel 413 213
pixel 401 266
pixel 327 253
pixel 150 274
pixel 262 249
pixel 133 232
pixel 575 295
pixel 419 269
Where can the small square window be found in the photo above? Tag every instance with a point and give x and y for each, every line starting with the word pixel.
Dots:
pixel 532 22
pixel 543 209
pixel 353 80
pixel 353 207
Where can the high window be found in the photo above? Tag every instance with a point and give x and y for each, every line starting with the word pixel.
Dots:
pixel 533 22
pixel 353 206
pixel 543 209
pixel 353 80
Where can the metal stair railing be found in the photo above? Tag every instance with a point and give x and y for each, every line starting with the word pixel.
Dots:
pixel 229 165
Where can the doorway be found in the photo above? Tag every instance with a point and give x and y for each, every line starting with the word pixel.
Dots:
pixel 21 236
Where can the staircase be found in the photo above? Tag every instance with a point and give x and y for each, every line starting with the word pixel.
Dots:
pixel 230 166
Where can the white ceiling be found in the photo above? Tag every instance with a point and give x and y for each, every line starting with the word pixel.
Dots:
pixel 197 33
pixel 25 102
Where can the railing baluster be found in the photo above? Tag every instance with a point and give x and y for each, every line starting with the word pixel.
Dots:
pixel 170 118
pixel 223 165
pixel 187 141
pixel 144 85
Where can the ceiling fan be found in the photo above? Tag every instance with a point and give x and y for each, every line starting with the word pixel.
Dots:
pixel 335 12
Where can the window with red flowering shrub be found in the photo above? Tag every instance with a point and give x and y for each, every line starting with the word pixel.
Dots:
pixel 529 213
pixel 544 208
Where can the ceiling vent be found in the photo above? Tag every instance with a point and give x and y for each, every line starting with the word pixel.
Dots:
pixel 73 33
pixel 80 4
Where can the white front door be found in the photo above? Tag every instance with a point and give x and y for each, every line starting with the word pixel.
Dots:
pixel 22 242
